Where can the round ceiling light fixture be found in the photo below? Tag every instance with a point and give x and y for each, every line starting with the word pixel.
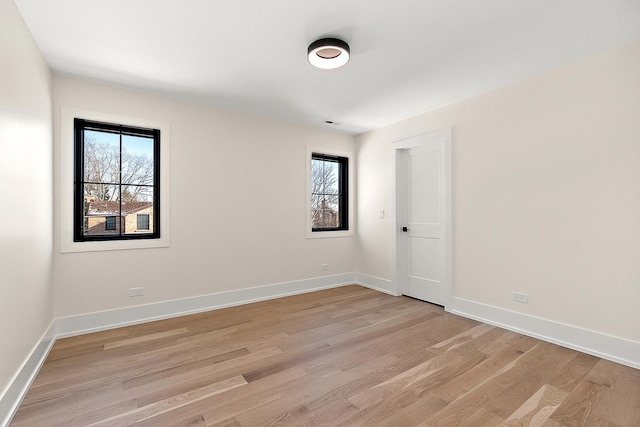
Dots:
pixel 328 53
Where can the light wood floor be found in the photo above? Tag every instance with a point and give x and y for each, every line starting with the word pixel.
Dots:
pixel 340 357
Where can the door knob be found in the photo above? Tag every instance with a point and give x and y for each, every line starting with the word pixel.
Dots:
pixel 405 229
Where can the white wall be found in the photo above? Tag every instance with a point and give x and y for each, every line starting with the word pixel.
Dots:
pixel 25 194
pixel 237 207
pixel 546 194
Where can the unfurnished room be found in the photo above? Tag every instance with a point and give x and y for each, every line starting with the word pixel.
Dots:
pixel 338 213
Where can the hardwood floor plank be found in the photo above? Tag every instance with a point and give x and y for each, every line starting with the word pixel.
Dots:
pixel 507 339
pixel 481 417
pixel 162 388
pixel 346 356
pixel 623 392
pixel 230 422
pixel 225 407
pixel 567 379
pixel 538 408
pixel 196 420
pixel 578 408
pixel 485 372
pixel 413 414
pixel 144 338
pixel 462 338
pixel 158 408
pixel 183 368
pixel 408 380
pixel 269 401
pixel 337 411
pixel 402 393
pixel 83 415
pixel 603 397
pixel 552 360
pixel 503 393
pixel 107 375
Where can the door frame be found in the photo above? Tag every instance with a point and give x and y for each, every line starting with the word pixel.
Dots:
pixel 397 202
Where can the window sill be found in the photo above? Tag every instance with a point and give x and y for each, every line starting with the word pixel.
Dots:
pixel 113 245
pixel 329 234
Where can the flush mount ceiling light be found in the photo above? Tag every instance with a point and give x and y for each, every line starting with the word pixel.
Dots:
pixel 328 53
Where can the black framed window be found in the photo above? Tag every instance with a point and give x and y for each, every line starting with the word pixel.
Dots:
pixel 143 221
pixel 116 181
pixel 329 192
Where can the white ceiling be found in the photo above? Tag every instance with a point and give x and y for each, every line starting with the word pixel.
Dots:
pixel 407 56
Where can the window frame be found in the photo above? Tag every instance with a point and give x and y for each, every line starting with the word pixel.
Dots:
pixel 349 225
pixel 343 191
pixel 64 182
pixel 80 126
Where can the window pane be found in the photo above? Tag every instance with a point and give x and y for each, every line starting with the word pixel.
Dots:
pixel 102 226
pixel 101 192
pixel 325 176
pixel 101 156
pixel 137 201
pixel 326 214
pixel 137 193
pixel 331 175
pixel 101 209
pixel 317 170
pixel 137 160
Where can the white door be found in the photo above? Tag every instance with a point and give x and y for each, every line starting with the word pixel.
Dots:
pixel 425 220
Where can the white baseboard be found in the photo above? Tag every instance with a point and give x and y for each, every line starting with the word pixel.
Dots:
pixel 375 283
pixel 103 320
pixel 619 350
pixel 18 388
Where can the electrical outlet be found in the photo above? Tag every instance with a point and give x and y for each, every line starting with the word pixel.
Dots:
pixel 382 214
pixel 520 297
pixel 136 292
pixel 325 266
